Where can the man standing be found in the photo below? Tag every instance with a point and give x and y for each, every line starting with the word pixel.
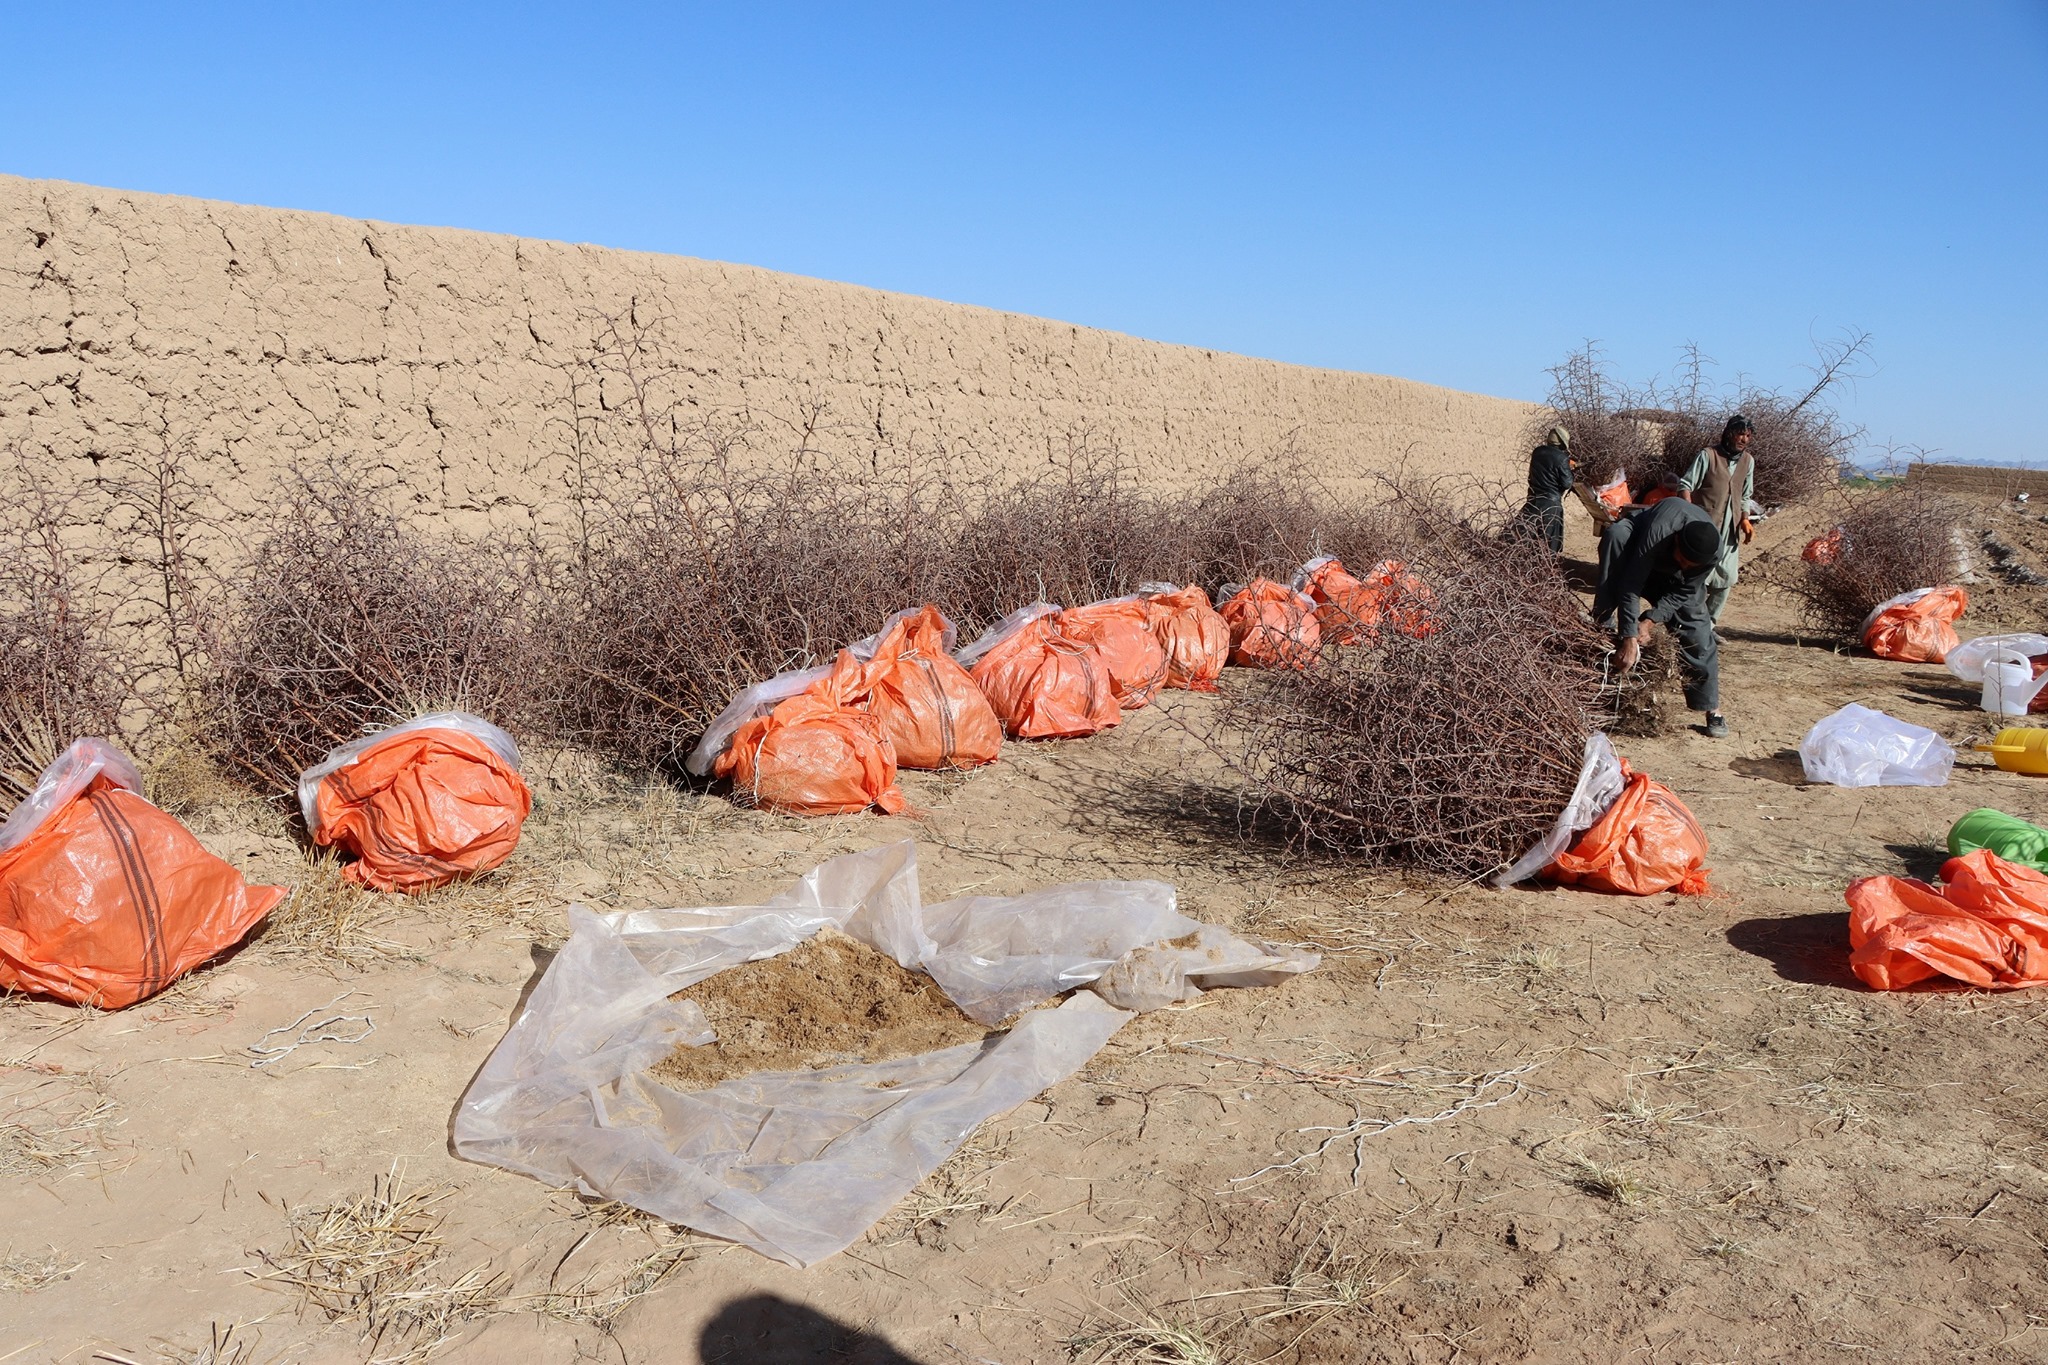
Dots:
pixel 1721 482
pixel 1551 476
pixel 1654 567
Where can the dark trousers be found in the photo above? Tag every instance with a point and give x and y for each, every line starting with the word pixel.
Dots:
pixel 1674 604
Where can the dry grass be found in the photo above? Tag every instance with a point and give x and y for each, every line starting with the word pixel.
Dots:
pixel 1611 1183
pixel 329 918
pixel 956 1191
pixel 377 1259
pixel 233 1344
pixel 53 1125
pixel 27 1272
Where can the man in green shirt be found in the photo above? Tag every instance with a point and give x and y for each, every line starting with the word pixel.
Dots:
pixel 1720 482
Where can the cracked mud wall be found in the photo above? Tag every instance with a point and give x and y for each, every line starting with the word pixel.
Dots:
pixel 458 364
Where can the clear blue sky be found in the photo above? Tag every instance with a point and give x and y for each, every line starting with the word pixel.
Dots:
pixel 1457 193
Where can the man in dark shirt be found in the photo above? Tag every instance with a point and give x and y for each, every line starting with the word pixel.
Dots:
pixel 1654 567
pixel 1550 478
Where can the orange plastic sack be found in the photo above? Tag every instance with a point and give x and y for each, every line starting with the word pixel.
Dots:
pixel 1824 549
pixel 1404 599
pixel 1195 637
pixel 1987 926
pixel 1916 627
pixel 104 899
pixel 1646 842
pixel 1614 493
pixel 1121 631
pixel 930 709
pixel 420 805
pixel 814 754
pixel 1658 494
pixel 1346 609
pixel 1042 682
pixel 1272 626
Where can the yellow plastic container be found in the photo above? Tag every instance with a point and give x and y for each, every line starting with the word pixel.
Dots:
pixel 2022 749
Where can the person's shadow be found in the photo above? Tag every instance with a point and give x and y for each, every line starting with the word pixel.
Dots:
pixel 766 1329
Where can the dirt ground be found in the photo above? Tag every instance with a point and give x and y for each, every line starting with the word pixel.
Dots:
pixel 1538 1125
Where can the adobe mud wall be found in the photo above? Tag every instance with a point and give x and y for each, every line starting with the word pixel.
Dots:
pixel 460 363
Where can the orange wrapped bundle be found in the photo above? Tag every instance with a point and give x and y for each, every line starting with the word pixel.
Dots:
pixel 1614 493
pixel 1916 627
pixel 1823 549
pixel 929 707
pixel 1988 926
pixel 1404 599
pixel 1043 683
pixel 104 899
pixel 1346 609
pixel 1196 639
pixel 1646 842
pixel 813 754
pixel 420 804
pixel 1121 631
pixel 1271 626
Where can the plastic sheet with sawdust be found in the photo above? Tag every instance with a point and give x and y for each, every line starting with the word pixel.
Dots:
pixel 797 1165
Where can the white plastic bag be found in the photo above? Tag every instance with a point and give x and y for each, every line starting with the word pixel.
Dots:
pixel 1600 782
pixel 476 727
pixel 1859 747
pixel 71 773
pixel 1967 659
pixel 798 1165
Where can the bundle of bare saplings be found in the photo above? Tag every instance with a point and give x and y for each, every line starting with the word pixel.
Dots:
pixel 1884 542
pixel 1650 433
pixel 1449 747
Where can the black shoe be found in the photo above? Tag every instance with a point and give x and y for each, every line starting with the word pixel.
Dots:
pixel 1717 725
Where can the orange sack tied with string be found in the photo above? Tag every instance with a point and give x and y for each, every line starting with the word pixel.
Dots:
pixel 1196 639
pixel 105 899
pixel 1916 627
pixel 814 754
pixel 1272 626
pixel 1988 926
pixel 1121 631
pixel 1042 682
pixel 929 707
pixel 1404 599
pixel 1646 842
pixel 1347 610
pixel 420 804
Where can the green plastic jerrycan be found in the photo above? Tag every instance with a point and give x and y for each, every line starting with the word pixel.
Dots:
pixel 2009 837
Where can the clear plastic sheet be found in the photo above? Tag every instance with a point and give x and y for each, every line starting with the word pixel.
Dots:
pixel 64 779
pixel 797 1165
pixel 1859 747
pixel 1600 782
pixel 493 738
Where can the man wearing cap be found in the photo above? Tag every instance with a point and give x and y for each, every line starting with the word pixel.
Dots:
pixel 1655 564
pixel 1720 482
pixel 1550 478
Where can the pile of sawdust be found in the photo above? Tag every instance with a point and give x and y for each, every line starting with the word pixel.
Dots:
pixel 828 1001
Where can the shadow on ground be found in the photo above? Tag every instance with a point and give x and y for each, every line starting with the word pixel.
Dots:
pixel 766 1329
pixel 1813 949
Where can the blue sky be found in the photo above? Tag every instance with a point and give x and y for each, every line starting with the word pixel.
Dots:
pixel 1456 193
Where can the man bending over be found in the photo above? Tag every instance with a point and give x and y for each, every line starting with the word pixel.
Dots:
pixel 1654 567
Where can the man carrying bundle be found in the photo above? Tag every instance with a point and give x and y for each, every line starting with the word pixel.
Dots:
pixel 1721 482
pixel 1655 564
pixel 1551 476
